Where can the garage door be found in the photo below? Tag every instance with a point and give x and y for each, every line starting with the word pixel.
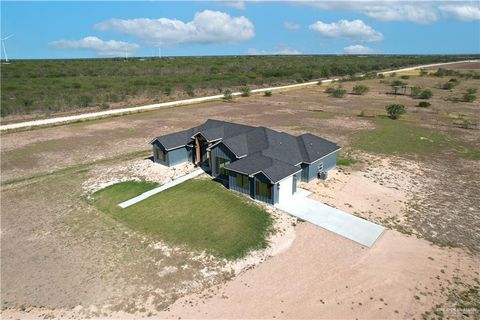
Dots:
pixel 286 189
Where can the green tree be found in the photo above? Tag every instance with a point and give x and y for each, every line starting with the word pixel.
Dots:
pixel 336 92
pixel 360 89
pixel 394 111
pixel 268 93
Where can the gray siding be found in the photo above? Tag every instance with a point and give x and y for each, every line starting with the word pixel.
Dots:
pixel 310 172
pixel 232 183
pixel 260 177
pixel 173 157
pixel 222 152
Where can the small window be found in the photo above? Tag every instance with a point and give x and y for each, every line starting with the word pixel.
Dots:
pixel 242 181
pixel 320 166
pixel 160 154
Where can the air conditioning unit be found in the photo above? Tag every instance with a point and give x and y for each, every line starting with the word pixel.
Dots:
pixel 322 175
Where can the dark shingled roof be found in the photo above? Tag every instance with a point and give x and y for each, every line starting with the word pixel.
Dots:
pixel 276 154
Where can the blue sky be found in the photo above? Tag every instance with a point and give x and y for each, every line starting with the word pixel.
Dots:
pixel 102 29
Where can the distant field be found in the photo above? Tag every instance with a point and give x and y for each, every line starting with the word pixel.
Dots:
pixel 43 87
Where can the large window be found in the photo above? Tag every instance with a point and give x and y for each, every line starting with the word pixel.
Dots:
pixel 263 189
pixel 242 181
pixel 220 166
pixel 160 154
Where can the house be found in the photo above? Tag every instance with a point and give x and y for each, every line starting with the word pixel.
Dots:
pixel 260 162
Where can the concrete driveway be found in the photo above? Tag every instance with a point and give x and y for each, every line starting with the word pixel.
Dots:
pixel 337 221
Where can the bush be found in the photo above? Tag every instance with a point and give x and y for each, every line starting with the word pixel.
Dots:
pixel 448 86
pixel 398 83
pixel 381 76
pixel 268 93
pixel 337 92
pixel 189 90
pixel 469 97
pixel 227 95
pixel 424 104
pixel 167 91
pixel 360 89
pixel 85 101
pixel 245 91
pixel 405 77
pixel 393 74
pixel 472 90
pixel 426 94
pixel 394 111
pixel 423 72
pixel 467 124
pixel 105 106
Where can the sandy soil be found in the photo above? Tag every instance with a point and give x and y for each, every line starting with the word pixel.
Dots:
pixel 323 276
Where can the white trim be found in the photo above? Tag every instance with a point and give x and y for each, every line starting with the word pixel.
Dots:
pixel 289 176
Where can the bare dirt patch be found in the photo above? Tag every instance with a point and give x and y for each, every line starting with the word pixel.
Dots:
pixel 324 276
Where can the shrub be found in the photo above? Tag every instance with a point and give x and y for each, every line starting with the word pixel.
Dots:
pixel 268 93
pixel 426 94
pixel 394 111
pixel 167 91
pixel 398 83
pixel 423 72
pixel 337 92
pixel 448 86
pixel 405 77
pixel 393 74
pixel 360 89
pixel 472 90
pixel 469 97
pixel 245 91
pixel 189 90
pixel 85 101
pixel 227 95
pixel 423 104
pixel 105 106
pixel 381 76
pixel 468 124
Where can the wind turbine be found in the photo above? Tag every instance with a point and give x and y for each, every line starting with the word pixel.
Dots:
pixel 3 46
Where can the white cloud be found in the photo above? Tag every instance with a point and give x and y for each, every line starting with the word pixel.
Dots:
pixel 418 12
pixel 344 29
pixel 279 49
pixel 206 27
pixel 240 5
pixel 100 47
pixel 461 12
pixel 291 25
pixel 358 49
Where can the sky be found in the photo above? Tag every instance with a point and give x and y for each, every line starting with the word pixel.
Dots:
pixel 90 29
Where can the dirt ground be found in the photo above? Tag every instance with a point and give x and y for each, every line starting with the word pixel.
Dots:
pixel 63 258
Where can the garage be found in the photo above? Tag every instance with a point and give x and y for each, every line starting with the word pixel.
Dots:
pixel 285 188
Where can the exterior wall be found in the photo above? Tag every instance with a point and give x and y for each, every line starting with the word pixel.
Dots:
pixel 285 188
pixel 173 157
pixel 232 183
pixel 310 172
pixel 260 177
pixel 222 152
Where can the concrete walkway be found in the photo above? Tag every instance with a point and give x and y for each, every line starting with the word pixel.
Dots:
pixel 166 186
pixel 337 221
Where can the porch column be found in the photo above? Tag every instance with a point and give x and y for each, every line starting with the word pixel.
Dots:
pixel 197 151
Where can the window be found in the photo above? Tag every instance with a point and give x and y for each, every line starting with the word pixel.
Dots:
pixel 242 181
pixel 220 166
pixel 160 154
pixel 320 166
pixel 263 189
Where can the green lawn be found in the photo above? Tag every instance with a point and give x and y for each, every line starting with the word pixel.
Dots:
pixel 198 213
pixel 398 137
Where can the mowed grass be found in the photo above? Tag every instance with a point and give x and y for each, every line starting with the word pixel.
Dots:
pixel 397 137
pixel 200 214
